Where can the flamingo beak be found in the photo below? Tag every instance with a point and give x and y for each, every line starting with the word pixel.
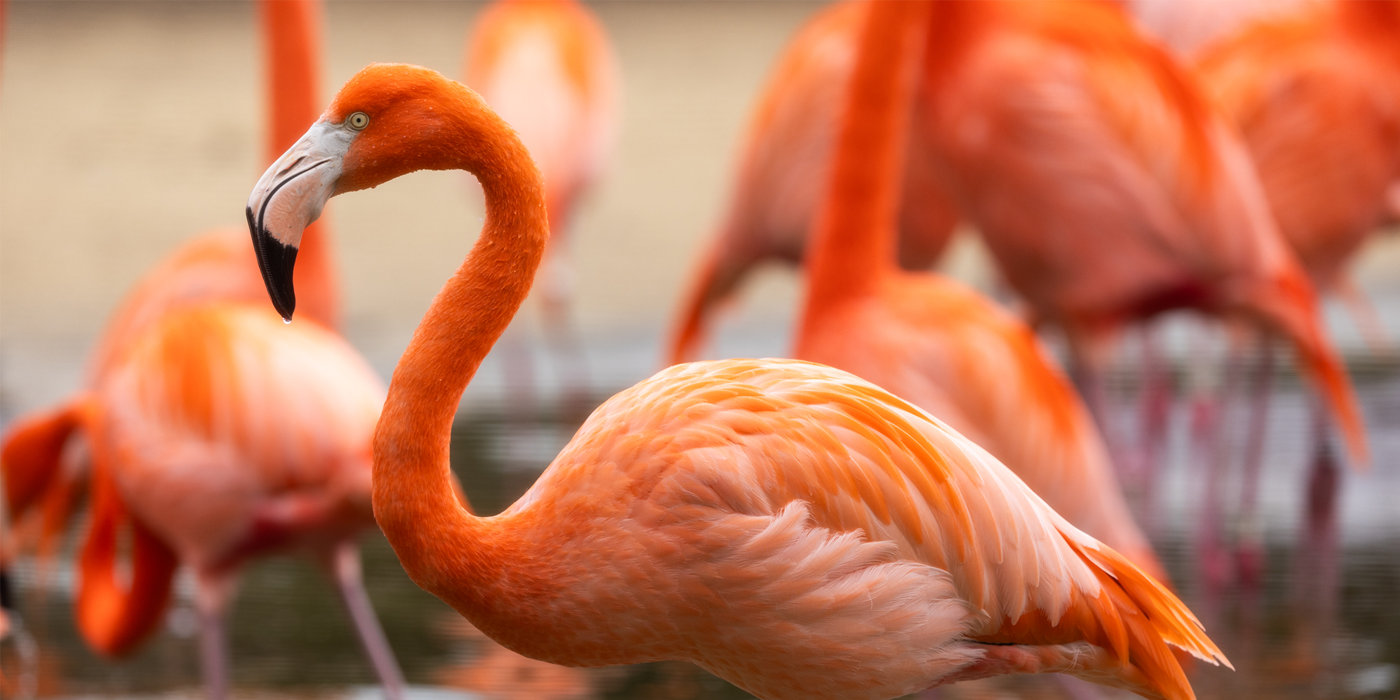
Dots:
pixel 288 197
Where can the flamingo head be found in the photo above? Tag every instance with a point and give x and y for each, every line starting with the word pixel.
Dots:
pixel 388 120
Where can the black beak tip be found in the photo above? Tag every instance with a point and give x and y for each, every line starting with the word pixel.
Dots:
pixel 276 262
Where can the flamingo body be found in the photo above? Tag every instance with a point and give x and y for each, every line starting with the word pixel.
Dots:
pixel 801 533
pixel 199 461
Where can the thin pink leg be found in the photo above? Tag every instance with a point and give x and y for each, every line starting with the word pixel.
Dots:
pixel 1155 410
pixel 1317 574
pixel 1088 379
pixel 1250 553
pixel 566 344
pixel 1211 437
pixel 212 593
pixel 352 589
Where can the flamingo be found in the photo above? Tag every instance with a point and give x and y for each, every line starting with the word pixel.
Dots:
pixel 216 265
pixel 185 456
pixel 784 166
pixel 787 526
pixel 1106 186
pixel 548 68
pixel 1316 96
pixel 940 345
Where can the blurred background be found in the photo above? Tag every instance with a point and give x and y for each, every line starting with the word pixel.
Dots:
pixel 126 127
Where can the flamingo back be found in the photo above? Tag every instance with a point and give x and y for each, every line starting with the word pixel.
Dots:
pixel 220 413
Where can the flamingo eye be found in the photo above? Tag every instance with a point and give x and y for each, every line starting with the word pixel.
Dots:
pixel 357 121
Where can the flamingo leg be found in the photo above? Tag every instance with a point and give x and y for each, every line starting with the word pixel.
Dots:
pixel 1087 375
pixel 1211 436
pixel 1317 564
pixel 1250 551
pixel 212 592
pixel 346 569
pixel 566 344
pixel 1155 410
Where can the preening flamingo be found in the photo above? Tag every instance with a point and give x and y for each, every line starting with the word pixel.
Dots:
pixel 1106 186
pixel 186 444
pixel 783 171
pixel 787 526
pixel 935 343
pixel 1316 96
pixel 548 68
pixel 183 451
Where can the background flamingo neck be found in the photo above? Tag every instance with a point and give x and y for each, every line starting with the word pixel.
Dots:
pixel 292 29
pixel 853 248
pixel 413 496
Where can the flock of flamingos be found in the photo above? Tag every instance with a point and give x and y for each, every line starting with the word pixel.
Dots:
pixel 919 497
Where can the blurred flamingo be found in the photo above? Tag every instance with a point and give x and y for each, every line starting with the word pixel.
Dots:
pixel 783 169
pixel 548 68
pixel 940 345
pixel 787 526
pixel 1106 186
pixel 179 458
pixel 1316 95
pixel 187 453
pixel 215 266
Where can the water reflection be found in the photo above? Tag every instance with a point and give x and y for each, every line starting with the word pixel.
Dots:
pixel 1319 622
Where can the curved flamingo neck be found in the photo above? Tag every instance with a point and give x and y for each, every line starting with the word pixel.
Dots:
pixel 853 246
pixel 437 540
pixel 293 54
